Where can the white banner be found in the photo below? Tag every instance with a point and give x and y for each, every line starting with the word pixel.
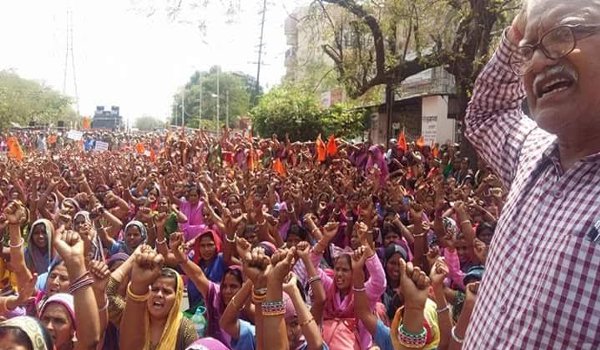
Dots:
pixel 101 146
pixel 429 129
pixel 75 135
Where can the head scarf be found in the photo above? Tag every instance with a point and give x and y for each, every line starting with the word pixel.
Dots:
pixel 38 258
pixel 97 252
pixel 72 201
pixel 36 333
pixel 63 299
pixel 143 233
pixel 207 343
pixel 216 239
pixel 168 339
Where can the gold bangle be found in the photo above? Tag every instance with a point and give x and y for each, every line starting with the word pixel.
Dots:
pixel 302 324
pixel 136 297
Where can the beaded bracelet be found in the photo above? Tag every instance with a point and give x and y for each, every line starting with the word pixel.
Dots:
pixel 79 285
pixel 314 279
pixel 412 340
pixel 163 241
pixel 136 297
pixel 231 240
pixel 273 308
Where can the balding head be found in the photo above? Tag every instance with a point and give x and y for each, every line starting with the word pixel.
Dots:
pixel 568 109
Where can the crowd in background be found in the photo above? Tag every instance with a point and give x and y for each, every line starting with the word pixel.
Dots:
pixel 335 245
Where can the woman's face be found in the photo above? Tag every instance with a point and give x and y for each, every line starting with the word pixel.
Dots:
pixel 294 332
pixel 461 250
pixel 12 342
pixel 58 281
pixel 69 209
pixel 133 237
pixel 343 273
pixel 193 196
pixel 152 196
pixel 78 222
pixel 390 237
pixel 354 240
pixel 58 322
pixel 392 267
pixel 207 247
pixel 206 216
pixel 51 203
pixel 229 287
pixel 162 297
pixel 163 205
pixel 251 236
pixel 39 236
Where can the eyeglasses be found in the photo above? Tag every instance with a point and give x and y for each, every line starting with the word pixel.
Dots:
pixel 554 44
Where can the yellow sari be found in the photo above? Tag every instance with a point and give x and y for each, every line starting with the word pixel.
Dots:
pixel 168 339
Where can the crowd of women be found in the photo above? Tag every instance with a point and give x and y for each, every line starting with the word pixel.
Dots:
pixel 284 245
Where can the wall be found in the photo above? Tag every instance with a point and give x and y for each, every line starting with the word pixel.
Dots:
pixel 435 123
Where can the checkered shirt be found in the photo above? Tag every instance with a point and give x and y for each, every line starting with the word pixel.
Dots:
pixel 542 280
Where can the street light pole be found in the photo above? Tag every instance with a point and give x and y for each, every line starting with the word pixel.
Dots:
pixel 218 98
pixel 183 107
pixel 200 105
pixel 227 111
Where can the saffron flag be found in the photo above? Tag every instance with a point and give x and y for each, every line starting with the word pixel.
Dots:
pixel 140 148
pixel 402 141
pixel 435 151
pixel 420 142
pixel 14 149
pixel 331 146
pixel 279 167
pixel 321 149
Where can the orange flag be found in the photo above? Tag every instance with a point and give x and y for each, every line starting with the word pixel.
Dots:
pixel 402 141
pixel 435 151
pixel 321 149
pixel 420 142
pixel 152 154
pixel 279 167
pixel 140 148
pixel 86 123
pixel 331 146
pixel 14 149
pixel 250 157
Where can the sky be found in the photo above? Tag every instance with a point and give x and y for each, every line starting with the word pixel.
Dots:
pixel 126 58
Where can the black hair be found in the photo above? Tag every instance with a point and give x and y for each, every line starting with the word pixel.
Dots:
pixel 237 273
pixel 169 273
pixel 485 226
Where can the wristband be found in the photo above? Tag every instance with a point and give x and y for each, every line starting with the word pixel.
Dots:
pixel 363 289
pixel 88 281
pixel 162 241
pixel 19 245
pixel 231 240
pixel 273 308
pixel 446 308
pixel 314 279
pixel 455 337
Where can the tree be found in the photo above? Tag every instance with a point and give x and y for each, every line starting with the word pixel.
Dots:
pixel 383 43
pixel 23 101
pixel 295 111
pixel 147 123
pixel 237 85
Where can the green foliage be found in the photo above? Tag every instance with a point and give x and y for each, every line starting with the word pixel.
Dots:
pixel 22 101
pixel 149 123
pixel 295 111
pixel 241 88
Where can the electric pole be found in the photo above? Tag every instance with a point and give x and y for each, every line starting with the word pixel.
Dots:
pixel 260 47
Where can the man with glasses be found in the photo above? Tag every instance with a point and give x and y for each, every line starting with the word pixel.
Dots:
pixel 541 289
